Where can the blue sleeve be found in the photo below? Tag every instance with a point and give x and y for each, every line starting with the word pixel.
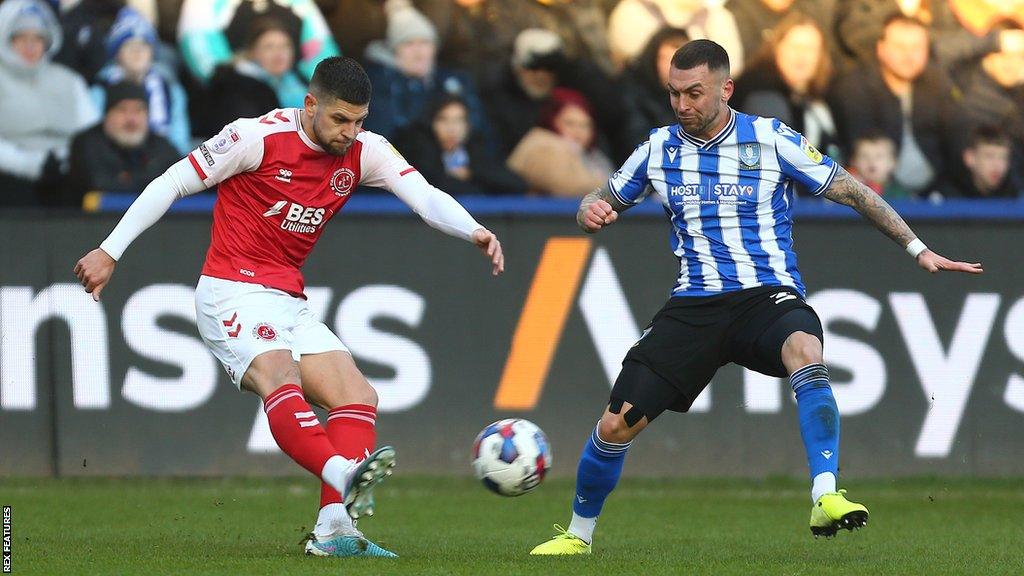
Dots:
pixel 99 96
pixel 629 182
pixel 801 161
pixel 180 132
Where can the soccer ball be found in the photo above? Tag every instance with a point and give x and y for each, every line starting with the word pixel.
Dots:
pixel 511 456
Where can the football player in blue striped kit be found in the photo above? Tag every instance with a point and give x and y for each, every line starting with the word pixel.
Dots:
pixel 727 181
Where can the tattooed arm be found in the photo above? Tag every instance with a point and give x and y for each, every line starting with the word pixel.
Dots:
pixel 599 209
pixel 845 189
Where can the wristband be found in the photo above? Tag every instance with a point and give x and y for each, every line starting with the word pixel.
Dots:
pixel 916 247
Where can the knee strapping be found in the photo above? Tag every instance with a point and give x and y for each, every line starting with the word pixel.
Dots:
pixel 633 416
pixel 615 405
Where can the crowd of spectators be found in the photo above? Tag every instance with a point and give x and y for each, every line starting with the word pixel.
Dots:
pixel 920 99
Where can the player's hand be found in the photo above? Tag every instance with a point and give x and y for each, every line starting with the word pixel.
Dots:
pixel 598 215
pixel 94 271
pixel 933 263
pixel 489 245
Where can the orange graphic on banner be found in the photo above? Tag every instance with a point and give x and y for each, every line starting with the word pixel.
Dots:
pixel 541 323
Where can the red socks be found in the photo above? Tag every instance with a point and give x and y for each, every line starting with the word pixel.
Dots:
pixel 296 429
pixel 353 433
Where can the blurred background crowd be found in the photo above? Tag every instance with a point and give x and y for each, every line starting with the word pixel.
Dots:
pixel 918 98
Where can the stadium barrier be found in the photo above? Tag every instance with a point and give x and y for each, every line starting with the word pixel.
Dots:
pixel 928 370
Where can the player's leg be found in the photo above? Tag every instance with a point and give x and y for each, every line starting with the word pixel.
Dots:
pixel 248 328
pixel 297 431
pixel 816 405
pixel 333 382
pixel 275 377
pixel 638 397
pixel 795 338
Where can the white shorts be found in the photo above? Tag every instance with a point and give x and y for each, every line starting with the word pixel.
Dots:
pixel 239 321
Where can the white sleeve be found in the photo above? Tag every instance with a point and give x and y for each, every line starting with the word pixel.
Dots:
pixel 238 148
pixel 15 160
pixel 383 166
pixel 178 181
pixel 435 207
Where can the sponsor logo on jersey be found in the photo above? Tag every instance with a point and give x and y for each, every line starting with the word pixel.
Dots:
pixel 298 218
pixel 223 142
pixel 275 209
pixel 685 190
pixel 342 181
pixel 750 155
pixel 265 331
pixel 716 194
pixel 672 152
pixel 810 151
pixel 206 154
pixel 284 175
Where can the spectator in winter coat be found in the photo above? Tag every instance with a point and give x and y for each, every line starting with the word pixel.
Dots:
pixel 131 46
pixel 43 104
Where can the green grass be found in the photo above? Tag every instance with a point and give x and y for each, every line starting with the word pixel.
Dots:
pixel 934 527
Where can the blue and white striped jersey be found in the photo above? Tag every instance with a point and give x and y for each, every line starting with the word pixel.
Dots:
pixel 730 200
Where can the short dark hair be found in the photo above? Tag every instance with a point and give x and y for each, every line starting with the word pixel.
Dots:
pixel 989 134
pixel 900 18
pixel 342 78
pixel 263 24
pixel 697 52
pixel 872 136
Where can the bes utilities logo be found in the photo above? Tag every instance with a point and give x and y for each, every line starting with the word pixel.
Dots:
pixel 298 218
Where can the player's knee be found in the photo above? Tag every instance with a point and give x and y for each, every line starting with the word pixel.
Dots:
pixel 802 349
pixel 614 428
pixel 366 395
pixel 270 371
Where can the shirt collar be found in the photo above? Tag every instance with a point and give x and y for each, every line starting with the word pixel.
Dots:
pixel 302 133
pixel 716 139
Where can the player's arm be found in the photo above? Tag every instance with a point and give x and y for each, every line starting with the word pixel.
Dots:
pixel 846 189
pixel 382 165
pixel 623 190
pixel 442 212
pixel 599 209
pixel 237 148
pixel 95 268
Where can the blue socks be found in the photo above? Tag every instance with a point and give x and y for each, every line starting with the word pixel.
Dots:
pixel 819 424
pixel 598 473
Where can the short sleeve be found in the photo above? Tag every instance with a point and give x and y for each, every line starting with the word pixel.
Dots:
pixel 381 164
pixel 237 148
pixel 801 161
pixel 629 182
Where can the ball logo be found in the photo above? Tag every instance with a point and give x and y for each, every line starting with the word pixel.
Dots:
pixel 342 181
pixel 265 332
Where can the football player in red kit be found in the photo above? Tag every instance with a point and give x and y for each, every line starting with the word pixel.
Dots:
pixel 279 179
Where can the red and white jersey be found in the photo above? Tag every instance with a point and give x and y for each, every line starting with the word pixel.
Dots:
pixel 277 189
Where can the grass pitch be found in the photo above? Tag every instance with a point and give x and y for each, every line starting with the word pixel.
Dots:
pixel 453 526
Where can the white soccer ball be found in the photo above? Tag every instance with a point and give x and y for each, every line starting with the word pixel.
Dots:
pixel 511 456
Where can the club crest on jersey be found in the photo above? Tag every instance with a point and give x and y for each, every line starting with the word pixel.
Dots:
pixel 750 155
pixel 342 181
pixel 265 332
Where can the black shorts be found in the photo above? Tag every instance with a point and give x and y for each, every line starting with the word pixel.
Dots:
pixel 691 337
